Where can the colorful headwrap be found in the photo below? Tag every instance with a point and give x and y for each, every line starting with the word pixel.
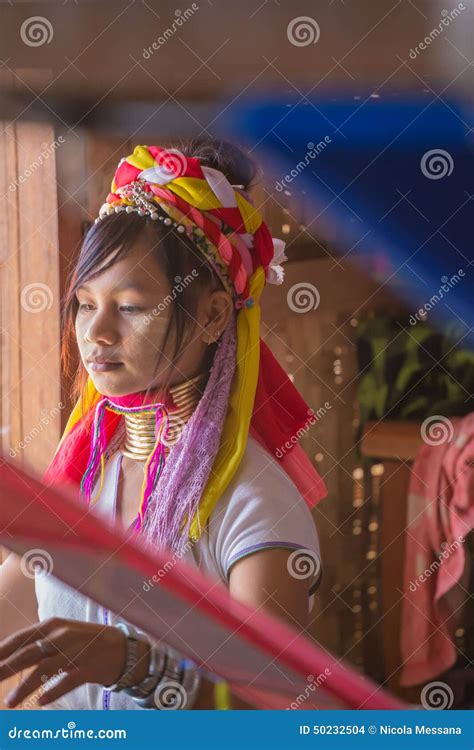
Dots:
pixel 231 234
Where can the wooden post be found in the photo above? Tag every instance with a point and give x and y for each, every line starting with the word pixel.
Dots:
pixel 393 443
pixel 30 387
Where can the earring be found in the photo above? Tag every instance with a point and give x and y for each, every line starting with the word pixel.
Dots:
pixel 214 340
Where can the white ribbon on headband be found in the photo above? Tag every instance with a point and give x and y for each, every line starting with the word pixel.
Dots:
pixel 220 186
pixel 225 193
pixel 158 175
pixel 276 272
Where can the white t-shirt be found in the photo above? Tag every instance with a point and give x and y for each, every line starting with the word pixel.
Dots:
pixel 260 509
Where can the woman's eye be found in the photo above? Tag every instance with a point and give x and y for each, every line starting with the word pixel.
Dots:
pixel 85 307
pixel 130 308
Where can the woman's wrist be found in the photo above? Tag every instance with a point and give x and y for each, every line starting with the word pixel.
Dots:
pixel 116 649
pixel 143 662
pixel 115 652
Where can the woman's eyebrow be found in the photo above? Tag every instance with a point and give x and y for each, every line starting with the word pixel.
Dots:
pixel 126 285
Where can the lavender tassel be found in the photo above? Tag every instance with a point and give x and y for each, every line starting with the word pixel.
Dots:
pixel 175 499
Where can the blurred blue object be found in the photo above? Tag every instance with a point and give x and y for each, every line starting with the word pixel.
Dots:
pixel 392 180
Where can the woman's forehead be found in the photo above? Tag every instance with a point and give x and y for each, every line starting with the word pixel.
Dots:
pixel 139 268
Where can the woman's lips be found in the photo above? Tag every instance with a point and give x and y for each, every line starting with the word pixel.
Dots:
pixel 105 366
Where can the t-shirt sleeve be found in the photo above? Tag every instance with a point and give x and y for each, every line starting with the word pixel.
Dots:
pixel 263 509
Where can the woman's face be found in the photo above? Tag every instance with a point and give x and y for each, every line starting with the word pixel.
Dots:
pixel 119 320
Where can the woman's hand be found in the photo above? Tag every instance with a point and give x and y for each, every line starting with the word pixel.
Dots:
pixel 80 652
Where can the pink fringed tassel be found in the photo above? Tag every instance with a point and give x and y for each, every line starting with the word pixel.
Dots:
pixel 96 452
pixel 155 462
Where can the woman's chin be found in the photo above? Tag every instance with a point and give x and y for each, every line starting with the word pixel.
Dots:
pixel 113 384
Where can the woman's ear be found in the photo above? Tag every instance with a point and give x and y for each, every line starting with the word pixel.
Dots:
pixel 218 313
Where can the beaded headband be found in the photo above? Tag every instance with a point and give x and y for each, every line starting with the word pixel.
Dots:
pixel 138 200
pixel 138 194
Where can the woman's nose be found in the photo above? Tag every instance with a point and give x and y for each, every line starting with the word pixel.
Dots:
pixel 101 330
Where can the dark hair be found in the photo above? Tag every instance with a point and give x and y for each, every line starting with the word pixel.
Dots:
pixel 176 254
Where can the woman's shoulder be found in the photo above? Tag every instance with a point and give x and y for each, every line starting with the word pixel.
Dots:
pixel 261 476
pixel 261 489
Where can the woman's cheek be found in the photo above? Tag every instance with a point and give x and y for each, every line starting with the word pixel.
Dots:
pixel 80 339
pixel 145 342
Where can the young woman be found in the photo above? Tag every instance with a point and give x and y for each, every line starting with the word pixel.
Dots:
pixel 184 431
